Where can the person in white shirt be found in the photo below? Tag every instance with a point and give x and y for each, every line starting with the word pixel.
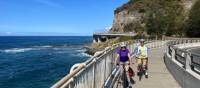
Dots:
pixel 142 57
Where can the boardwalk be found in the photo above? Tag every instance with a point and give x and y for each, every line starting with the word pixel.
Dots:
pixel 159 76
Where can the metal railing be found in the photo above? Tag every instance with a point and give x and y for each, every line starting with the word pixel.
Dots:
pixel 93 72
pixel 195 62
pixel 187 60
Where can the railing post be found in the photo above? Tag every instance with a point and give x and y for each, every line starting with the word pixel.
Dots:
pixel 173 54
pixel 167 50
pixel 188 61
pixel 94 68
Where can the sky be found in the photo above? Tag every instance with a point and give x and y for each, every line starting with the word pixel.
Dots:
pixel 56 17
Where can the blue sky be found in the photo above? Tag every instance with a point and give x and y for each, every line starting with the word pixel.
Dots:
pixel 56 17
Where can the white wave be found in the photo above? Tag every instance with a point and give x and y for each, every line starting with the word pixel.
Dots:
pixel 56 48
pixel 85 54
pixel 81 55
pixel 47 46
pixel 81 50
pixel 17 50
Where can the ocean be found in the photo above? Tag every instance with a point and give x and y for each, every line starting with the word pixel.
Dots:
pixel 38 62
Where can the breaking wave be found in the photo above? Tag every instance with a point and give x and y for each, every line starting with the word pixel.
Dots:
pixel 17 50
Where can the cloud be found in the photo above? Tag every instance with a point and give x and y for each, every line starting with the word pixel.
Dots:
pixel 108 28
pixel 49 3
pixel 8 33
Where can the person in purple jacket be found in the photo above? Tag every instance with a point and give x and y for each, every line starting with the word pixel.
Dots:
pixel 123 57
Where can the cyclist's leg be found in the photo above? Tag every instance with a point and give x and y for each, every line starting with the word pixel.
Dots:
pixel 139 61
pixel 127 74
pixel 120 73
pixel 147 68
pixel 145 63
pixel 121 69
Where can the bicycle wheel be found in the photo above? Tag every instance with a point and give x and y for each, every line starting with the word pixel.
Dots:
pixel 125 80
pixel 141 72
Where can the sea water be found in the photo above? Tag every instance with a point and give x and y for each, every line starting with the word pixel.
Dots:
pixel 38 62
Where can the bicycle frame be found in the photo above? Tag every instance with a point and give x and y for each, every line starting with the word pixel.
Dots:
pixel 123 76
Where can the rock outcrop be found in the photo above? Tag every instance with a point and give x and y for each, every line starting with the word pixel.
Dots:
pixel 133 13
pixel 128 13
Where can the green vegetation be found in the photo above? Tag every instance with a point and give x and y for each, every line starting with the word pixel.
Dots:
pixel 134 26
pixel 125 38
pixel 193 23
pixel 164 17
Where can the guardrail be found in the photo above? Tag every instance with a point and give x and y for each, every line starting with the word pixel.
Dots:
pixel 182 56
pixel 183 64
pixel 94 72
pixel 195 62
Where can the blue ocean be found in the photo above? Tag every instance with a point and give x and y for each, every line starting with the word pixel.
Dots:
pixel 38 62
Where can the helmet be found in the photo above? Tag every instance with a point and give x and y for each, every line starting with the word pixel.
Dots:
pixel 123 44
pixel 142 40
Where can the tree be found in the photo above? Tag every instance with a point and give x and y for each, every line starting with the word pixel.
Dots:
pixel 193 23
pixel 164 17
pixel 155 20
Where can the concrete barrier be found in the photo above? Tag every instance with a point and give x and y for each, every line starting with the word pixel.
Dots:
pixel 183 73
pixel 184 78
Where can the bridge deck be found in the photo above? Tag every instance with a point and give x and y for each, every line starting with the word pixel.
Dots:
pixel 159 76
pixel 115 34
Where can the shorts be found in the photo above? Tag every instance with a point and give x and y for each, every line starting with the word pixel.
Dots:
pixel 142 61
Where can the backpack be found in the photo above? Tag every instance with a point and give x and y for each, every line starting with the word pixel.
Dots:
pixel 131 73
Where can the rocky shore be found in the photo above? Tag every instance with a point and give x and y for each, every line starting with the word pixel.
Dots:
pixel 90 50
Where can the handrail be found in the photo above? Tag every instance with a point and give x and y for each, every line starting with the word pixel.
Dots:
pixel 78 70
pixel 189 61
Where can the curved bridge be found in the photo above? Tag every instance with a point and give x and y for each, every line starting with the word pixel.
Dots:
pixel 178 69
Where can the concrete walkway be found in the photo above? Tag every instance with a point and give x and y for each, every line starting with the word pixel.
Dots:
pixel 159 76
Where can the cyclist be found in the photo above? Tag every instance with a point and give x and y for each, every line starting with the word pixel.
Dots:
pixel 123 57
pixel 142 57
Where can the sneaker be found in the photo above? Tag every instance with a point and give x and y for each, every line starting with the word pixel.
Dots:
pixel 146 76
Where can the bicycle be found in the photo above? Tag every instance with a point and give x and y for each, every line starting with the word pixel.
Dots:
pixel 123 78
pixel 142 70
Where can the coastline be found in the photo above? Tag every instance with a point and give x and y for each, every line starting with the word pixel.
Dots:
pixel 90 51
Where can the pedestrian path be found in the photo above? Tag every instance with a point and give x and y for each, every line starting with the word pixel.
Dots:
pixel 159 76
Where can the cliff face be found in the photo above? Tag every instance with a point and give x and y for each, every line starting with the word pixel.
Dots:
pixel 129 17
pixel 128 13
